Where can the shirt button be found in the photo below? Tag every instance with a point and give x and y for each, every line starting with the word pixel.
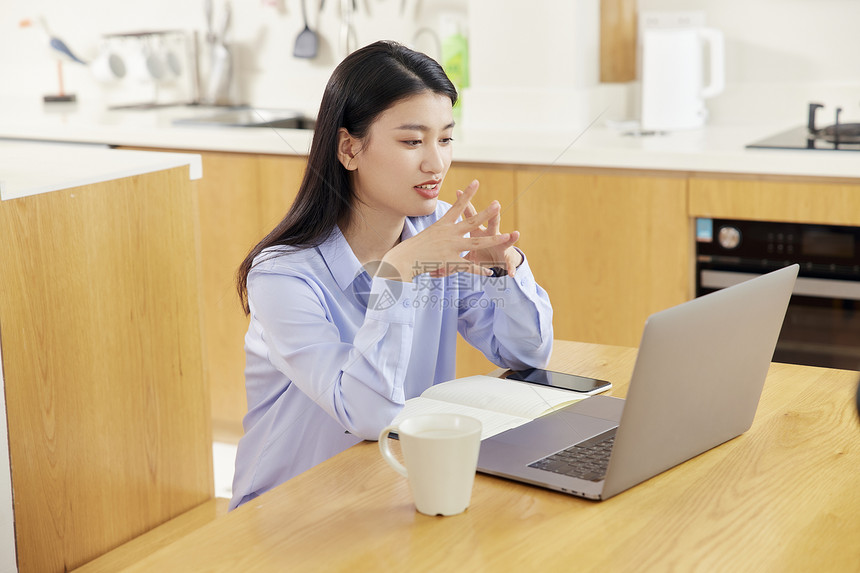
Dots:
pixel 507 291
pixel 406 303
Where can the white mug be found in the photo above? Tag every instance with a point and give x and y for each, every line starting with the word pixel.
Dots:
pixel 441 455
pixel 147 64
pixel 109 66
pixel 169 48
pixel 172 64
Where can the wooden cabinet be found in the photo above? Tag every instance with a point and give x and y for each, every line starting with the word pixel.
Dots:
pixel 229 215
pixel 610 249
pixel 107 403
pixel 242 197
pixel 618 37
pixel 804 201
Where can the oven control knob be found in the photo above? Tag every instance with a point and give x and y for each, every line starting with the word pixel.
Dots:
pixel 729 237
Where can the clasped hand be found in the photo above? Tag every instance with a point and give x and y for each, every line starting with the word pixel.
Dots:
pixel 438 249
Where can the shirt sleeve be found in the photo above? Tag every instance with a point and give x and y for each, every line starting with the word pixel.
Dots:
pixel 360 382
pixel 509 319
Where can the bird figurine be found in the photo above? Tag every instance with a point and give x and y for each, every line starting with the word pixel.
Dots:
pixel 61 53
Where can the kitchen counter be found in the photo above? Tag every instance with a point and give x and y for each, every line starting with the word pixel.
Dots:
pixel 714 149
pixel 31 167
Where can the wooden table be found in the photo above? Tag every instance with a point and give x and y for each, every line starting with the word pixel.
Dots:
pixel 784 496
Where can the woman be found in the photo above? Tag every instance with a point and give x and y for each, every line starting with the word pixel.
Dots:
pixel 356 297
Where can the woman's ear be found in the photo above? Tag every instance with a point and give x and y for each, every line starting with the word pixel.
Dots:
pixel 347 148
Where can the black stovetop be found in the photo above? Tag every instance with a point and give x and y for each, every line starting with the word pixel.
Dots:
pixel 839 136
pixel 798 138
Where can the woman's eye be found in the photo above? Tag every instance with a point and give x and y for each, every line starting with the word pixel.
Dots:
pixel 413 142
pixel 446 140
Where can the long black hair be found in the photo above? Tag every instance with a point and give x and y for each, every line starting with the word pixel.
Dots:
pixel 362 87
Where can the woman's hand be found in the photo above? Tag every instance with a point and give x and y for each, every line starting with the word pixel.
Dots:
pixel 437 249
pixel 505 256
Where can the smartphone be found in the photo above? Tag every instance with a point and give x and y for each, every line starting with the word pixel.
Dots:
pixel 561 380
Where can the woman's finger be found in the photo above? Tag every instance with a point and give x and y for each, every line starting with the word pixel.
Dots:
pixel 479 270
pixel 503 240
pixel 494 223
pixel 463 266
pixel 463 199
pixel 470 210
pixel 513 258
pixel 472 222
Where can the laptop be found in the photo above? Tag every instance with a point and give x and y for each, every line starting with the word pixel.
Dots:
pixel 696 384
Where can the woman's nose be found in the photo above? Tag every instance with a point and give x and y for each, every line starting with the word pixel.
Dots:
pixel 434 161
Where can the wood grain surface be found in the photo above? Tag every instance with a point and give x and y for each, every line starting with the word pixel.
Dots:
pixel 609 249
pixel 794 202
pixel 618 40
pixel 108 409
pixel 781 497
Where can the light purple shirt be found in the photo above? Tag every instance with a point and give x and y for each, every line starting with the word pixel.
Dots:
pixel 332 355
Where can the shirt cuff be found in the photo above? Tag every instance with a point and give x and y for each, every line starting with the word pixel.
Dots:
pixel 390 301
pixel 504 286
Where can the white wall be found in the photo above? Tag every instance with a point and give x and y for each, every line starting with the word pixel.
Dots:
pixel 262 35
pixel 535 68
pixel 780 53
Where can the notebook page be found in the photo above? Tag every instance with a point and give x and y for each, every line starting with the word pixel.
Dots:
pixel 492 422
pixel 500 395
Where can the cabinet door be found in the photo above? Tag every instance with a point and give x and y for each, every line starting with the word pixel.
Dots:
pixel 242 197
pixel 496 183
pixel 790 201
pixel 279 181
pixel 232 195
pixel 229 225
pixel 610 250
pixel 103 365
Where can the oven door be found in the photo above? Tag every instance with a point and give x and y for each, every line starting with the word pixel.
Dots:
pixel 822 324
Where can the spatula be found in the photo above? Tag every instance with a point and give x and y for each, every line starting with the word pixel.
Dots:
pixel 306 42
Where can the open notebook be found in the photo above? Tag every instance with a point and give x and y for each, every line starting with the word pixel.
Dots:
pixel 499 404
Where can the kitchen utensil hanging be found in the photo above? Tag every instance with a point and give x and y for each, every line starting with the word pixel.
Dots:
pixel 307 41
pixel 348 40
pixel 221 71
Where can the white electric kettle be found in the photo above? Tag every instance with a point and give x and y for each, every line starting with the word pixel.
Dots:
pixel 676 53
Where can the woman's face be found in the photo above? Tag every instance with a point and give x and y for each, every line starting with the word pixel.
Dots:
pixel 397 169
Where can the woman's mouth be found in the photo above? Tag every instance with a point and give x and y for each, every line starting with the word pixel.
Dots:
pixel 428 190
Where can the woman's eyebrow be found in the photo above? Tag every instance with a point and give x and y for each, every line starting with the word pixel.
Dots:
pixel 420 127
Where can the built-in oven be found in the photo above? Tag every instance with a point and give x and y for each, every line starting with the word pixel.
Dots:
pixel 822 325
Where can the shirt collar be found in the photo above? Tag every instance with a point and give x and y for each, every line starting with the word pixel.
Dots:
pixel 409 229
pixel 340 259
pixel 342 262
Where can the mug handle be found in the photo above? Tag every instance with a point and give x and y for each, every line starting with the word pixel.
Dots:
pixel 386 451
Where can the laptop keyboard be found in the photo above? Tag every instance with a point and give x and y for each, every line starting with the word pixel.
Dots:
pixel 586 460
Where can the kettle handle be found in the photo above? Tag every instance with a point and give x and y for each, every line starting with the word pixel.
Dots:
pixel 717 80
